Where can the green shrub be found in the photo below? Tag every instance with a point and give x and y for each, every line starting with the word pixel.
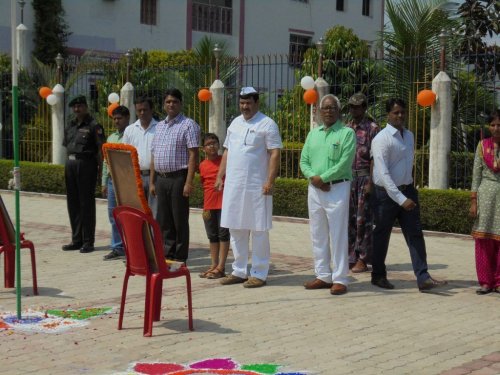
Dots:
pixel 441 210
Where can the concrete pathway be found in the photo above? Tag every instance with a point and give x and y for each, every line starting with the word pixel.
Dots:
pixel 367 331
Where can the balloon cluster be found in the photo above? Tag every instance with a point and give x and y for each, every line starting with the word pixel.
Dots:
pixel 204 95
pixel 310 94
pixel 426 98
pixel 46 93
pixel 114 100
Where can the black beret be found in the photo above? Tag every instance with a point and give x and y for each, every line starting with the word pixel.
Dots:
pixel 79 99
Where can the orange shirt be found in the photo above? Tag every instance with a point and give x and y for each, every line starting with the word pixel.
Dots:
pixel 212 199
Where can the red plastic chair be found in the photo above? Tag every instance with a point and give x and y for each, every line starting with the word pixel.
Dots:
pixel 8 247
pixel 143 243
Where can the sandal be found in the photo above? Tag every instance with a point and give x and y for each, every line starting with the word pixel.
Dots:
pixel 484 290
pixel 216 273
pixel 497 289
pixel 204 275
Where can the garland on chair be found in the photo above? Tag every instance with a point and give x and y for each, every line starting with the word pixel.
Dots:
pixel 137 170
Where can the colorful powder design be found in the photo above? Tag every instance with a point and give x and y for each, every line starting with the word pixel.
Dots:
pixel 51 321
pixel 212 366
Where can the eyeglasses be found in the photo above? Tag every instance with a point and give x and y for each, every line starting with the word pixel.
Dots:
pixel 333 109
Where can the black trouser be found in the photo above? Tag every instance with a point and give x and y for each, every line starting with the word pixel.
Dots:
pixel 81 177
pixel 385 212
pixel 173 213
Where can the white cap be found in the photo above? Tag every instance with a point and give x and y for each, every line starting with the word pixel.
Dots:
pixel 247 91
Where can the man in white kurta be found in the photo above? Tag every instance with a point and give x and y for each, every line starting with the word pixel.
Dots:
pixel 250 164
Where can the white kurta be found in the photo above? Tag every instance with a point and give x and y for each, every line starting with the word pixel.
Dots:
pixel 244 206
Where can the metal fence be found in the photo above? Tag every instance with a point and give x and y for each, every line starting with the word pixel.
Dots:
pixel 476 89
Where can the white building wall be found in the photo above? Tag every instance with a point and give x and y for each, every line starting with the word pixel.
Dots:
pixel 114 25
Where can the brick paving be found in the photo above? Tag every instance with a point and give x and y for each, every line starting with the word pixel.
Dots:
pixel 367 331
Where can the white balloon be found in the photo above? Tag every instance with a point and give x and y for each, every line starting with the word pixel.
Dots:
pixel 307 82
pixel 52 99
pixel 113 98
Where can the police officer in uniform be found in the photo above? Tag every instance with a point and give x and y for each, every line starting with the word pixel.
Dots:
pixel 83 138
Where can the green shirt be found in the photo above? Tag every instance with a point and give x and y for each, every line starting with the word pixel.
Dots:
pixel 113 138
pixel 329 153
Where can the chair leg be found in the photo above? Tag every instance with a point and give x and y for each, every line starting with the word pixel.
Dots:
pixel 190 304
pixel 149 305
pixel 122 302
pixel 157 300
pixel 33 267
pixel 9 261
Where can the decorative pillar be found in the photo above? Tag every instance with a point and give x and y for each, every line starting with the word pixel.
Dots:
pixel 127 99
pixel 57 117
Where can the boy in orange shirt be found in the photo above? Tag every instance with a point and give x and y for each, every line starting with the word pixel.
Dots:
pixel 212 204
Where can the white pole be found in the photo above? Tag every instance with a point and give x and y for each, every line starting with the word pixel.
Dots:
pixel 58 151
pixel 216 121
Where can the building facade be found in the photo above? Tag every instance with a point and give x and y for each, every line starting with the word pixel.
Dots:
pixel 249 27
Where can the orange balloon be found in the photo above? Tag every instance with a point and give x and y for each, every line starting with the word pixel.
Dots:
pixel 111 108
pixel 310 96
pixel 45 91
pixel 204 95
pixel 426 98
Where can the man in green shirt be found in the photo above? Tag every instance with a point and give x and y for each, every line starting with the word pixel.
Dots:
pixel 326 161
pixel 121 119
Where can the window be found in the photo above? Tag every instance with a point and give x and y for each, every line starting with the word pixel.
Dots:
pixel 148 12
pixel 366 8
pixel 298 46
pixel 213 16
pixel 340 5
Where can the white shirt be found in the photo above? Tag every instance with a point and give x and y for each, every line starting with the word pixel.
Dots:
pixel 393 161
pixel 244 206
pixel 141 139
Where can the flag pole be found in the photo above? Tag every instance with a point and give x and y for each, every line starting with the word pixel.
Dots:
pixel 17 176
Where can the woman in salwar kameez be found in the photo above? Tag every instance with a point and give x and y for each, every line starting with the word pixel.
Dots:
pixel 485 208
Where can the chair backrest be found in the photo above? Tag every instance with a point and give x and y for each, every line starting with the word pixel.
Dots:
pixel 7 231
pixel 142 240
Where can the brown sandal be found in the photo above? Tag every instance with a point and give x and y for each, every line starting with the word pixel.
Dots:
pixel 204 275
pixel 216 273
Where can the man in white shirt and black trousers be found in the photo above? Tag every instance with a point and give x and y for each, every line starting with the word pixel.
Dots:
pixel 395 197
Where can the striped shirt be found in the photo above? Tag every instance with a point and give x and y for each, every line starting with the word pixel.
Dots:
pixel 171 142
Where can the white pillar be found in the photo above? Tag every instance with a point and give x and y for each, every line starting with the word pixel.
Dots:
pixel 22 46
pixel 440 136
pixel 127 99
pixel 322 88
pixel 216 119
pixel 58 150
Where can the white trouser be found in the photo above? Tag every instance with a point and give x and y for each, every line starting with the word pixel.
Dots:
pixel 328 219
pixel 261 253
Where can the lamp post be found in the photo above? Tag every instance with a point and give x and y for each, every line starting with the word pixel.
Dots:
pixel 320 46
pixel 217 53
pixel 128 55
pixel 59 62
pixel 21 5
pixel 443 38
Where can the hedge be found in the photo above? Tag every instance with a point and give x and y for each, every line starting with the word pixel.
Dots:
pixel 441 210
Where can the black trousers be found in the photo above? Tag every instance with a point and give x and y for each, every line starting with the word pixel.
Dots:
pixel 385 212
pixel 81 177
pixel 173 214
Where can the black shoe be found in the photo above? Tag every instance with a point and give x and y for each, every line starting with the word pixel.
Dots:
pixel 71 246
pixel 382 283
pixel 113 255
pixel 430 283
pixel 87 249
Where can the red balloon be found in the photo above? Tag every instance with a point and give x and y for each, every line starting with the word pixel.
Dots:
pixel 204 95
pixel 111 108
pixel 310 96
pixel 44 91
pixel 426 98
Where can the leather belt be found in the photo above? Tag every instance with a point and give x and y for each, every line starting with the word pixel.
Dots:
pixel 337 181
pixel 145 172
pixel 400 187
pixel 360 172
pixel 180 172
pixel 80 156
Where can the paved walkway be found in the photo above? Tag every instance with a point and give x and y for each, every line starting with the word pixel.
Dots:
pixel 367 331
